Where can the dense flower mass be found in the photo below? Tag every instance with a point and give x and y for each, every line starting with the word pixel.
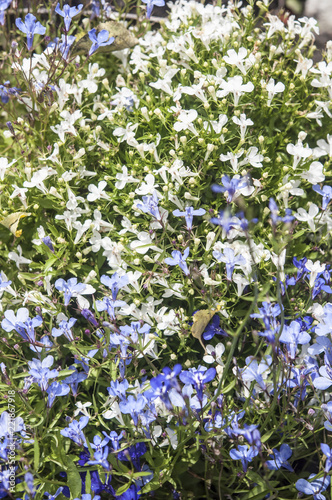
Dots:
pixel 165 255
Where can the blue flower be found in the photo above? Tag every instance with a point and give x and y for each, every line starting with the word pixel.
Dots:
pixel 230 185
pixel 275 211
pixel 254 371
pixel 198 377
pixel 115 282
pixel 30 27
pixel 4 4
pixel 99 40
pixel 69 288
pixel 328 453
pixel 100 458
pixel 150 205
pixel 179 260
pixel 315 487
pixel 150 4
pixel 40 371
pixel 53 497
pixel 21 322
pixel 65 329
pixel 225 220
pixel 280 458
pixel 74 431
pixel 244 454
pixel 133 406
pixel 68 13
pixel 109 305
pixel 189 215
pixel 56 389
pixel 231 260
pixel 326 192
pixel 213 329
pixel 292 335
pixel 74 379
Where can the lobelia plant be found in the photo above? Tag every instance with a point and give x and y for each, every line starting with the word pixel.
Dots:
pixel 141 185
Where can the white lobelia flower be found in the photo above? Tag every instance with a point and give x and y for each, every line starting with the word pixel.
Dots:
pixel 53 156
pixel 314 268
pixel 18 257
pixel 196 90
pixel 309 217
pixel 289 187
pixel 325 148
pixel 241 282
pixel 37 180
pixel 144 243
pixel 97 192
pixel 147 187
pixel 81 229
pixel 243 123
pixel 214 354
pixel 237 59
pixel 99 224
pixel 20 193
pixel 165 83
pixel 233 158
pixel 253 157
pixel 299 152
pixel 185 121
pixel 81 408
pixel 3 167
pixel 235 86
pixel 315 173
pixel 90 82
pixel 272 89
pixel 127 134
pixel 217 125
pixel 123 178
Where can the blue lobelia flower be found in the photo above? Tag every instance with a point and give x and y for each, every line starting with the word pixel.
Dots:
pixel 56 389
pixel 53 497
pixel 115 282
pixel 225 220
pixel 178 259
pixel 21 322
pixel 100 458
pixel 30 27
pixel 230 185
pixel 68 13
pixel 150 4
pixel 109 305
pixel 189 215
pixel 150 205
pixel 99 40
pixel 4 4
pixel 326 192
pixel 315 487
pixel 213 329
pixel 69 288
pixel 198 377
pixel 40 371
pixel 244 454
pixel 133 406
pixel 74 431
pixel 230 259
pixel 292 335
pixel 74 379
pixel 65 329
pixel 328 453
pixel 268 313
pixel 280 458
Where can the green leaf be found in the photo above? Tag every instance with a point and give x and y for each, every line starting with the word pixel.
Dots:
pixel 122 489
pixel 73 478
pixel 36 454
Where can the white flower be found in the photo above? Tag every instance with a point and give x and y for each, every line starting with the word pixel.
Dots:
pixel 127 134
pixel 233 158
pixel 148 186
pixel 89 83
pixel 53 156
pixel 20 193
pixel 18 258
pixel 38 178
pixel 308 217
pixel 81 408
pixel 99 224
pixel 272 89
pixel 299 152
pixel 325 148
pixel 123 178
pixel 314 268
pixel 217 125
pixel 185 120
pixel 237 59
pixel 315 173
pixel 243 122
pixel 143 243
pixel 3 166
pixel 81 229
pixel 196 90
pixel 214 354
pixel 253 157
pixel 241 282
pixel 289 187
pixel 235 86
pixel 164 84
pixel 96 193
